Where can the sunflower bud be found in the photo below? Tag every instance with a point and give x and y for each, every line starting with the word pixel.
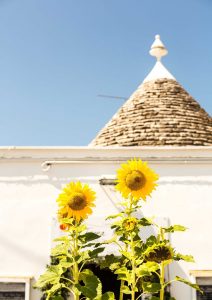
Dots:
pixel 64 227
pixel 129 224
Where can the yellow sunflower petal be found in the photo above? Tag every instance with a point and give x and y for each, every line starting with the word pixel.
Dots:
pixel 76 200
pixel 136 179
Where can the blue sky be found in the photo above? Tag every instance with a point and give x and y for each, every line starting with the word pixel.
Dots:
pixel 56 56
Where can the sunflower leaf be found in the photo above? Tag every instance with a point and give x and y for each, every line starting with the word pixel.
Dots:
pixel 151 287
pixel 108 296
pixel 60 249
pixel 55 288
pixel 51 276
pixel 126 290
pixel 59 297
pixel 187 258
pixel 64 239
pixel 95 252
pixel 126 254
pixel 92 287
pixel 151 240
pixel 147 268
pixel 145 222
pixel 174 228
pixel 123 274
pixel 114 216
pixel 89 236
pixel 109 260
pixel 193 285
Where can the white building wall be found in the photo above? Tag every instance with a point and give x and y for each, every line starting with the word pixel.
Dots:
pixel 31 179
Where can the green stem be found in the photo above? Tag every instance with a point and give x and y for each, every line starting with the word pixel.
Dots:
pixel 162 273
pixel 161 234
pixel 133 285
pixel 69 280
pixel 75 266
pixel 162 269
pixel 76 280
pixel 133 269
pixel 121 294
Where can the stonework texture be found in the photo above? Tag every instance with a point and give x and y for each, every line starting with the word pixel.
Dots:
pixel 158 113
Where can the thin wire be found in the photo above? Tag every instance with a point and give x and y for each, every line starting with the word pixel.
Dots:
pixel 113 97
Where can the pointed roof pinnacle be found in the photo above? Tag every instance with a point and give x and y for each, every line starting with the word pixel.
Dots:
pixel 159 71
pixel 158 49
pixel 159 113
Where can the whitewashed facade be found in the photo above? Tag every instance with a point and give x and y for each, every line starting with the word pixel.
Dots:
pixel 32 177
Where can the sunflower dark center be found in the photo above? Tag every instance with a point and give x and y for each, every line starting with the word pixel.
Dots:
pixel 160 254
pixel 135 180
pixel 77 201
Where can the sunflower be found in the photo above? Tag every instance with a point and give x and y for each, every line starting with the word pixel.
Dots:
pixel 159 252
pixel 136 179
pixel 130 223
pixel 76 201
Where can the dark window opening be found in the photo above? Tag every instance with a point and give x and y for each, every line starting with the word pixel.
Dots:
pixel 12 291
pixel 12 295
pixel 111 284
pixel 108 279
pixel 207 289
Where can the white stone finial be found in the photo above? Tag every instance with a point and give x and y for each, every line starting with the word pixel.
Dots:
pixel 158 49
pixel 159 71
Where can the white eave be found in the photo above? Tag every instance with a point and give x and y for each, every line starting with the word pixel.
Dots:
pixel 49 156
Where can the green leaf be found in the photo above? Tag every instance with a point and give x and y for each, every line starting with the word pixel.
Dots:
pixel 59 297
pixel 187 258
pixel 126 254
pixel 60 249
pixel 114 216
pixel 66 264
pixel 151 287
pixel 155 298
pixel 151 240
pixel 115 266
pixel 82 257
pixel 193 285
pixel 92 287
pixel 51 276
pixel 145 222
pixel 108 296
pixel 123 274
pixel 175 228
pixel 125 289
pixel 64 239
pixel 109 260
pixel 147 268
pixel 95 252
pixel 55 288
pixel 122 270
pixel 89 236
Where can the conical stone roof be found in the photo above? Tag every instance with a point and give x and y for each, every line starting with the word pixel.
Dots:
pixel 160 112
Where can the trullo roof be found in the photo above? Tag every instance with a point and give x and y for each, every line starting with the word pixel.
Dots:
pixel 160 112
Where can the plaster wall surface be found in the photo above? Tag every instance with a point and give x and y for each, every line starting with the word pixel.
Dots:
pixel 31 179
